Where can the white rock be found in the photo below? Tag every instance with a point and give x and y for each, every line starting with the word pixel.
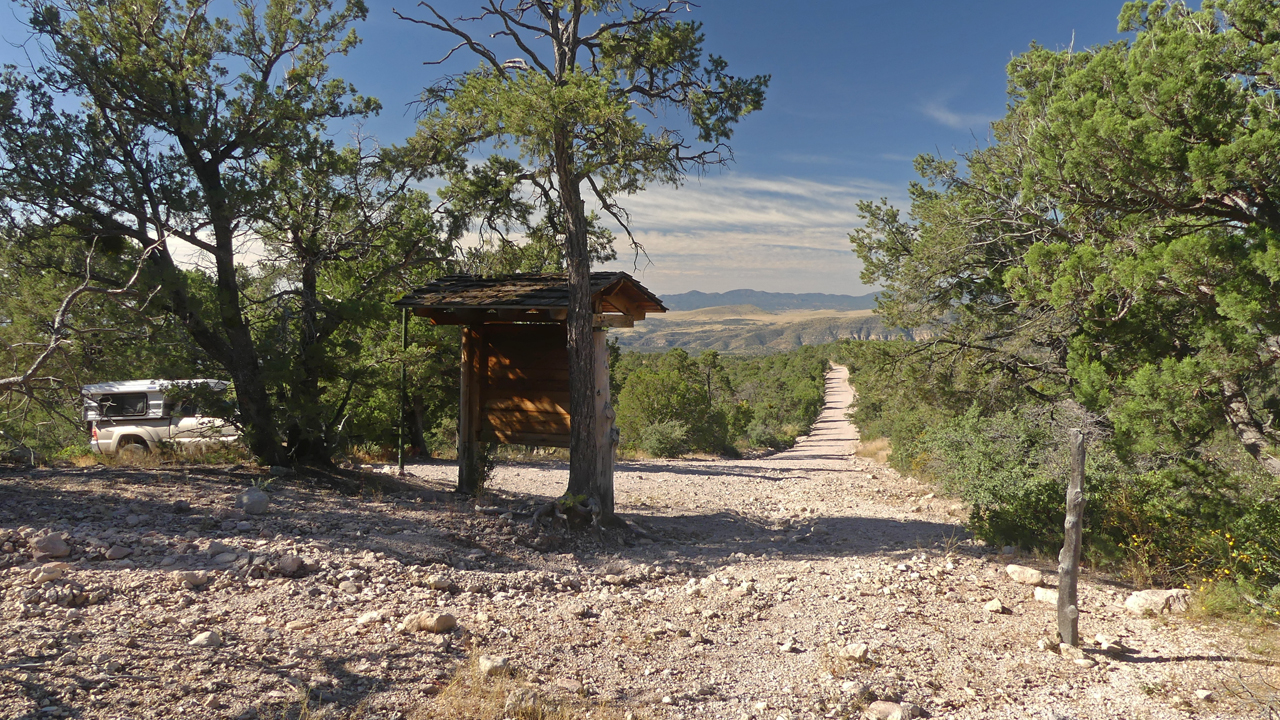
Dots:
pixel 1071 652
pixel 436 582
pixel 299 625
pixel 1047 595
pixel 429 622
pixel 885 710
pixel 191 578
pixel 48 573
pixel 253 501
pixel 1158 602
pixel 1205 695
pixel 206 639
pixel 491 665
pixel 226 557
pixel 373 616
pixel 857 652
pixel 995 606
pixel 1025 575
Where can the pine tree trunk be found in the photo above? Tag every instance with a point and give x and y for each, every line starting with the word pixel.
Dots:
pixel 584 446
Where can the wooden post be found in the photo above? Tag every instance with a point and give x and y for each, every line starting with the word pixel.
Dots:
pixel 469 455
pixel 606 434
pixel 1069 558
pixel 404 389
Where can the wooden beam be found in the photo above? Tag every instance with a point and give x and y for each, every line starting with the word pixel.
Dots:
pixel 612 321
pixel 606 433
pixel 470 460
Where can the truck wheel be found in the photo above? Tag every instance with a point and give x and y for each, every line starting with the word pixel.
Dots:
pixel 132 448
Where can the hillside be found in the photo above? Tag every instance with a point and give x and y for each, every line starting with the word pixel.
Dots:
pixel 770 301
pixel 750 329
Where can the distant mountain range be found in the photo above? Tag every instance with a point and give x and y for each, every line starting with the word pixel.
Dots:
pixel 770 301
pixel 751 329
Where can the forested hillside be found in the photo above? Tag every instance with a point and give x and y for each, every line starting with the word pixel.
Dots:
pixel 769 301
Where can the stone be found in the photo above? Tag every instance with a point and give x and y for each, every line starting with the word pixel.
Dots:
pixel 299 625
pixel 372 616
pixel 217 548
pixel 569 684
pixel 282 471
pixel 349 587
pixel 910 710
pixel 253 501
pixel 789 646
pixel 191 578
pixel 995 607
pixel 436 582
pixel 291 566
pixel 856 689
pixel 494 665
pixel 226 557
pixel 48 573
pixel 884 710
pixel 1158 602
pixel 113 666
pixel 118 552
pixel 857 652
pixel 1071 652
pixel 576 609
pixel 429 622
pixel 244 525
pixel 206 639
pixel 1047 595
pixel 1025 575
pixel 1205 695
pixel 1085 663
pixel 522 702
pixel 180 506
pixel 52 545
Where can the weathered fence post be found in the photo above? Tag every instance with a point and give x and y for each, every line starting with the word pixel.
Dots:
pixel 404 389
pixel 1069 558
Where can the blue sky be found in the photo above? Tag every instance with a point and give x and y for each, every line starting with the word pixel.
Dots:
pixel 858 90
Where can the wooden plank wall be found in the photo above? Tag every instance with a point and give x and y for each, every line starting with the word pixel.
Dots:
pixel 524 385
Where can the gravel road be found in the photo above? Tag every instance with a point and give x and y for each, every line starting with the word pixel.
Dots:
pixel 813 583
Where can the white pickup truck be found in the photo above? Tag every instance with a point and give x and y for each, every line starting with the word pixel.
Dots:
pixel 133 417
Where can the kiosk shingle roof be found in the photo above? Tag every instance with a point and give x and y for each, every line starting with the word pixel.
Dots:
pixel 529 291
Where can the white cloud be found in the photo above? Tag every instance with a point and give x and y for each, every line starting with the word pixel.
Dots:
pixel 938 110
pixel 736 231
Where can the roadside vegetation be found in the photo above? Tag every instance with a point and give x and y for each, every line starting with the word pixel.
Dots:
pixel 676 403
pixel 1108 262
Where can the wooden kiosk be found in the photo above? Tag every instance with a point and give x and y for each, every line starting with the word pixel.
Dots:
pixel 515 359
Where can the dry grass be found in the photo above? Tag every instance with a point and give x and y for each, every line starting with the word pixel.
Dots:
pixel 473 696
pixel 878 450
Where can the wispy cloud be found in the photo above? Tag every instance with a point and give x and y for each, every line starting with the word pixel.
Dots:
pixel 737 231
pixel 938 111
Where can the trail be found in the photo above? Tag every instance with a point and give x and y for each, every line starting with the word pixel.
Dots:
pixel 814 549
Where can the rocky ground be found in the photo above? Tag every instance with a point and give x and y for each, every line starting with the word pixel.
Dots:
pixel 809 584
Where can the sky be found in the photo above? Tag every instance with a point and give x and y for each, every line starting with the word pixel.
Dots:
pixel 858 90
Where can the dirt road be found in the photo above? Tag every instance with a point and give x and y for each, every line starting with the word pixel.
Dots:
pixel 801 585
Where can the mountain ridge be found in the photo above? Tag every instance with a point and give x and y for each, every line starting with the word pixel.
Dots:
pixel 770 301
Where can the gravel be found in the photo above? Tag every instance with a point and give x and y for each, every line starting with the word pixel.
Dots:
pixel 863 576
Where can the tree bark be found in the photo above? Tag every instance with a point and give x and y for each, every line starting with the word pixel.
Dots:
pixel 584 445
pixel 1245 425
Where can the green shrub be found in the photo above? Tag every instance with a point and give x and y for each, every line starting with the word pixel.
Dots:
pixel 664 439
